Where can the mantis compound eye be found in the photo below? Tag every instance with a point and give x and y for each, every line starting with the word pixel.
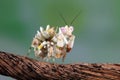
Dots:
pixel 64 30
pixel 71 28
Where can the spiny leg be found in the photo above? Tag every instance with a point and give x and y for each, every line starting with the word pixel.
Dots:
pixel 29 50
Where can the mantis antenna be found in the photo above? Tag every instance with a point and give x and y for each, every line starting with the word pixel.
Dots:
pixel 72 20
pixel 75 18
pixel 62 18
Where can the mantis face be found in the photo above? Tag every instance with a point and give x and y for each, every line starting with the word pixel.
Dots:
pixel 67 30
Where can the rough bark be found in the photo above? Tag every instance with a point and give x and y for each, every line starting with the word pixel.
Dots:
pixel 24 68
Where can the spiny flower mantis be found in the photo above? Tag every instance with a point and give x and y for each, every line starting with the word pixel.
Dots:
pixel 50 44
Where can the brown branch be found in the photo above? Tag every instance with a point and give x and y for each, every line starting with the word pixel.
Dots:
pixel 24 68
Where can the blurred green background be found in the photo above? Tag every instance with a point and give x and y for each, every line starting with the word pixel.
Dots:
pixel 97 29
